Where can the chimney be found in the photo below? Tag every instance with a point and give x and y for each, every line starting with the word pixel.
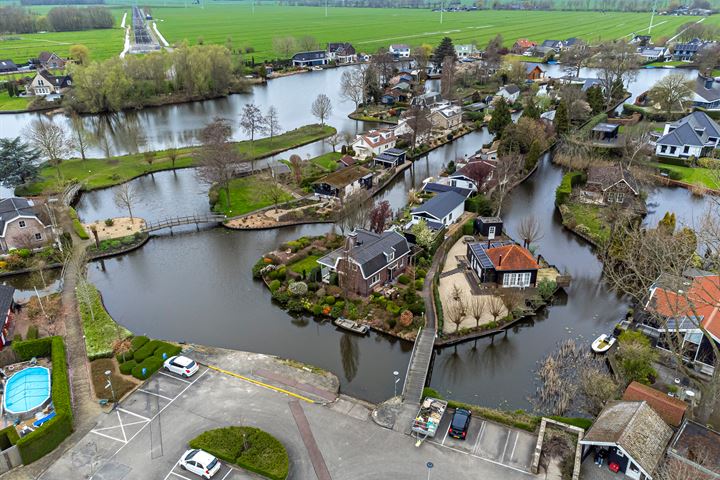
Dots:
pixel 709 83
pixel 500 261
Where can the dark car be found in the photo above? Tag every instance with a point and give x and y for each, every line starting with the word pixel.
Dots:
pixel 460 423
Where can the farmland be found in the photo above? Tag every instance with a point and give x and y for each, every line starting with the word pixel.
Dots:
pixel 367 28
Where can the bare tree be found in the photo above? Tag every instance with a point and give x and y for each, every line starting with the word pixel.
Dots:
pixel 348 137
pixel 419 122
pixel 172 155
pixel 673 91
pixel 81 136
pixel 617 64
pixel 352 86
pixel 354 213
pixel 125 197
pixel 477 307
pixel 322 108
pixel 272 121
pixel 296 165
pixel 383 64
pixel 512 299
pixel 508 167
pixel 253 123
pixel 576 57
pixel 273 191
pixel 50 140
pixel 218 157
pixel 530 230
pixel 455 315
pixel 284 46
pixel 307 43
pixel 496 307
pixel 334 140
pixel 447 80
pixel 634 141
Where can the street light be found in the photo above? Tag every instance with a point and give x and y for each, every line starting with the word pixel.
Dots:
pixel 110 386
pixel 429 466
pixel 397 379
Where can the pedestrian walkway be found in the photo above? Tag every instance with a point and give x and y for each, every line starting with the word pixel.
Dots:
pixel 318 462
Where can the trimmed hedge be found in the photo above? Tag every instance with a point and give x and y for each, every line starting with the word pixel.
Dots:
pixel 168 349
pixel 8 437
pixel 265 454
pixel 46 438
pixel 680 162
pixel 127 367
pixel 151 364
pixel 28 349
pixel 569 180
pixel 138 342
pixel 146 350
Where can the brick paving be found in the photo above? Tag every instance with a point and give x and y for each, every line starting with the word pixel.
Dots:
pixel 316 458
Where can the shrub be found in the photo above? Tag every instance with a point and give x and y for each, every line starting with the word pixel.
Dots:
pixel 419 283
pixel 546 288
pixel 127 367
pixel 569 180
pixel 23 252
pixel 420 273
pixel 298 289
pixel 404 279
pixel 281 273
pixel 8 437
pixel 109 222
pixel 432 393
pixel 146 350
pixel 116 244
pixel 79 229
pixel 274 285
pixel 391 322
pixel 392 308
pixel 469 227
pixel 32 332
pixel 479 204
pixel 138 341
pixel 129 240
pixel 168 349
pixel 150 364
pixel 330 300
pixel 33 348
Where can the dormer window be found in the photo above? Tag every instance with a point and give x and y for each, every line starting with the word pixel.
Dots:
pixel 390 256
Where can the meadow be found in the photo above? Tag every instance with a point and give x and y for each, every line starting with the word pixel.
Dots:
pixel 367 28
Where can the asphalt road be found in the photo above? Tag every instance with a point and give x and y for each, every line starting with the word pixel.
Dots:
pixel 147 434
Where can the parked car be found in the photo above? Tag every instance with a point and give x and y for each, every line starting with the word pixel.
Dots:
pixel 200 463
pixel 460 423
pixel 181 365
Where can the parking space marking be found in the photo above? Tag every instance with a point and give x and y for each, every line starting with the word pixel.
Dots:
pixel 512 453
pixel 124 442
pixel 480 434
pixel 122 429
pixel 445 437
pixel 133 413
pixel 230 469
pixel 261 384
pixel 116 426
pixel 507 439
pixel 174 377
pixel 156 394
pixel 178 475
pixel 485 459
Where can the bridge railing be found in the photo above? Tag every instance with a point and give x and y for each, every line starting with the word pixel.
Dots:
pixel 187 220
pixel 412 356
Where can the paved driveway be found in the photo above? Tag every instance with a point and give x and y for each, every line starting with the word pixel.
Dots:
pixel 146 435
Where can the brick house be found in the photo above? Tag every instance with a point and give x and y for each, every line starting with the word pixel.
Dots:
pixel 374 260
pixel 607 185
pixel 671 410
pixel 22 225
pixel 522 45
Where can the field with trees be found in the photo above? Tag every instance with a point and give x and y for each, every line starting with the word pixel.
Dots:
pixel 368 29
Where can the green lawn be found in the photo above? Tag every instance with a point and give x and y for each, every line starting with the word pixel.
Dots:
pixel 591 217
pixel 100 172
pixel 306 264
pixel 13 103
pixel 367 28
pixel 673 63
pixel 245 196
pixel 328 161
pixel 694 175
pixel 99 328
pixel 523 58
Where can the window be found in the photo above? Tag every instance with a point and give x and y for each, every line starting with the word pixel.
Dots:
pixel 38 236
pixel 686 149
pixel 374 279
pixel 491 231
pixel 663 149
pixel 620 197
pixel 611 197
pixel 22 224
pixel 517 279
pixel 391 256
pixel 673 150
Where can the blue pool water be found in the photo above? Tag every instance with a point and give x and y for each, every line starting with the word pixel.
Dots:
pixel 26 390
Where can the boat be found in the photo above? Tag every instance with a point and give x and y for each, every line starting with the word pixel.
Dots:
pixel 603 343
pixel 317 68
pixel 351 326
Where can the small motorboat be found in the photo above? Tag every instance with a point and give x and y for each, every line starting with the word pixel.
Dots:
pixel 351 326
pixel 603 343
pixel 317 68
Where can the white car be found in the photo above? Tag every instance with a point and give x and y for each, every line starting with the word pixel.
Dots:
pixel 200 463
pixel 181 365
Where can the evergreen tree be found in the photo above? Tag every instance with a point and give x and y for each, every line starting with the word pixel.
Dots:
pixel 562 119
pixel 595 99
pixel 18 162
pixel 445 49
pixel 531 109
pixel 617 90
pixel 500 117
pixel 533 155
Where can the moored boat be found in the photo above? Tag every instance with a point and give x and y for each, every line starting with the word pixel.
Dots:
pixel 603 343
pixel 352 326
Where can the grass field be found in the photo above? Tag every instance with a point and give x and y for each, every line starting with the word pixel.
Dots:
pixel 367 28
pixel 590 216
pixel 693 175
pixel 328 161
pixel 244 197
pixel 12 103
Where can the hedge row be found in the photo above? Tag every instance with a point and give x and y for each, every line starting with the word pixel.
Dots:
pixel 680 162
pixel 46 438
pixel 569 180
pixel 145 354
pixel 8 437
pixel 77 225
pixel 28 349
pixel 479 204
pixel 264 455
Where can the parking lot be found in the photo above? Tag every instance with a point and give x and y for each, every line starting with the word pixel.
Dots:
pixel 146 435
pixel 490 441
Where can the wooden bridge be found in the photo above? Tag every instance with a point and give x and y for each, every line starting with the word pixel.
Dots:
pixel 419 366
pixel 179 221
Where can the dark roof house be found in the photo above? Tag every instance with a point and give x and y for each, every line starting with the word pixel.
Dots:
pixel 611 184
pixel 309 59
pixel 444 208
pixel 12 208
pixel 706 93
pixel 503 262
pixel 693 135
pixel 7 66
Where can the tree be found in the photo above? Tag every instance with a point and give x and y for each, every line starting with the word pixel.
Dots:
pixel 80 134
pixel 419 122
pixel 478 172
pixel 354 213
pixel 617 63
pixel 672 91
pixel 531 109
pixel 595 99
pixel 707 58
pixel 634 141
pixel 149 157
pixel 253 123
pixel 444 49
pixel 283 46
pixel 421 56
pixel 599 387
pixel 80 53
pixel 272 120
pixel 172 155
pixel 576 57
pixel 636 356
pixel 495 307
pixel 50 139
pixel 455 314
pixel 530 230
pixel 18 162
pixel 322 108
pixel 273 191
pixel 334 140
pixel 514 72
pixel 519 137
pixel 352 86
pixel 447 79
pixel 379 215
pixel 125 197
pixel 494 51
pixel 296 165
pixel 307 43
pixel 477 308
pixel 383 64
pixel 218 157
pixel 500 117
pixel 562 119
pixel 424 237
pixel 508 167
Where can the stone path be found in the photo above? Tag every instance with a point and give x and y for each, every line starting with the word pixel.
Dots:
pixel 324 394
pixel 318 462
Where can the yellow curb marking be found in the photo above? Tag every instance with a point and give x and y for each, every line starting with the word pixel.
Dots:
pixel 261 384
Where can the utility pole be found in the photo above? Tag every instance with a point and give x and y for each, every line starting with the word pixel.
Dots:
pixel 442 7
pixel 652 16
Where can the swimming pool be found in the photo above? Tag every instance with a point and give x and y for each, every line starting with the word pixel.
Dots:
pixel 27 390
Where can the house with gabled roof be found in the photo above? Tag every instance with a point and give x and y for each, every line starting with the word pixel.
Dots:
pixel 344 182
pixel 534 71
pixel 556 45
pixel 390 158
pixel 610 185
pixel 694 135
pixel 367 261
pixel 510 93
pixel 652 54
pixel 341 52
pixel 437 187
pixel 400 50
pixel 44 83
pixel 51 61
pixel 686 51
pixel 504 262
pixel 22 225
pixel 632 436
pixel 310 59
pixel 7 66
pixel 374 142
pixel 447 117
pixel 440 211
pixel 706 93
pixel 522 45
pixel 671 409
pixel 7 308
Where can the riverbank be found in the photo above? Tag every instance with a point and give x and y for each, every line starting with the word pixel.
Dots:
pixel 96 173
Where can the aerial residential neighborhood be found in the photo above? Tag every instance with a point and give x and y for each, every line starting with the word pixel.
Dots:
pixel 292 240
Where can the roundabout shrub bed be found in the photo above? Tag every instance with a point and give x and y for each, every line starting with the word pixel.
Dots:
pixel 247 447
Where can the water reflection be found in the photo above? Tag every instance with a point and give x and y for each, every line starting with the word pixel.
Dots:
pixel 350 355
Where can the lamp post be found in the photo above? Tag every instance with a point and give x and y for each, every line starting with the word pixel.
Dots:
pixel 397 379
pixel 110 386
pixel 429 466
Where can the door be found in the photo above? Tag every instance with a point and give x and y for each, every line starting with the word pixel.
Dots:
pixel 491 232
pixel 633 471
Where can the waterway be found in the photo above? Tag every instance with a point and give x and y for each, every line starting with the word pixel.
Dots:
pixel 197 286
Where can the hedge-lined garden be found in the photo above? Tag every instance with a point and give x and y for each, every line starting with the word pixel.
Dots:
pixel 246 447
pixel 45 439
pixel 145 357
pixel 99 328
pixel 77 225
pixel 564 190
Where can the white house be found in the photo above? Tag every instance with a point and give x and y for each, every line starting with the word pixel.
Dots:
pixel 21 226
pixel 46 84
pixel 400 50
pixel 464 51
pixel 442 210
pixel 694 135
pixel 510 93
pixel 310 59
pixel 373 142
pixel 706 93
pixel 652 54
pixel 341 52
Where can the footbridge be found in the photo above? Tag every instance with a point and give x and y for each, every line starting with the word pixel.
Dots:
pixel 196 220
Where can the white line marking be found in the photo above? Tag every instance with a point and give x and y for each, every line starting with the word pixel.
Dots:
pixel 153 418
pixel 480 434
pixel 228 473
pixel 178 475
pixel 485 459
pixel 424 34
pixel 446 434
pixel 156 394
pixel 174 377
pixel 133 413
pixel 502 457
pixel 512 454
pixel 118 426
pixel 108 436
pixel 171 470
pixel 122 429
